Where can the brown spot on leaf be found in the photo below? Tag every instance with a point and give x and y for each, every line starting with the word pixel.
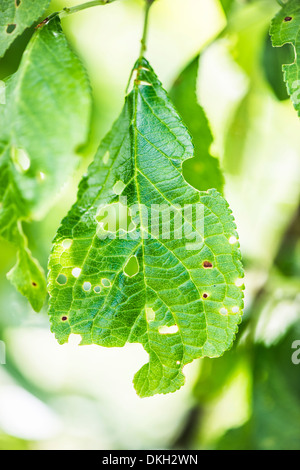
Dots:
pixel 288 18
pixel 205 295
pixel 207 264
pixel 64 318
pixel 34 284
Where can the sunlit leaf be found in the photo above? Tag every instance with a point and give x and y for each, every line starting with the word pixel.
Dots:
pixel 17 15
pixel 285 28
pixel 44 117
pixel 182 300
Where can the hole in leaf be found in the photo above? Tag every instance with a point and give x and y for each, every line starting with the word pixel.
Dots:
pixel 132 267
pixel 235 309
pixel 119 187
pixel 87 286
pixel 239 282
pixel 150 314
pixel 143 83
pixel 168 330
pixel 64 318
pixel 76 272
pixel 10 28
pixel 223 311
pixel 105 282
pixel 67 243
pixel 232 240
pixel 61 279
pixel 97 289
pixel 207 264
pixel 18 3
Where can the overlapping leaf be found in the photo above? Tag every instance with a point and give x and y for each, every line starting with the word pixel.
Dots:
pixel 17 15
pixel 203 172
pixel 184 301
pixel 285 29
pixel 273 60
pixel 44 117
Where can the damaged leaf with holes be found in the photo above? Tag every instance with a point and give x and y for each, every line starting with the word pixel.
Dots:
pixel 36 141
pixel 16 16
pixel 285 29
pixel 176 287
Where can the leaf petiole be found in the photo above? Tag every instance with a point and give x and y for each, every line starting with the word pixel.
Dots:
pixel 75 9
pixel 149 3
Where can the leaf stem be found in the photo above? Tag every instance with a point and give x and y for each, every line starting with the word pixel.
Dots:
pixel 149 3
pixel 70 10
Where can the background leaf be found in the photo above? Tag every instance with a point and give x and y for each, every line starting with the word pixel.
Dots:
pixel 17 15
pixel 285 29
pixel 273 60
pixel 227 6
pixel 203 171
pixel 40 132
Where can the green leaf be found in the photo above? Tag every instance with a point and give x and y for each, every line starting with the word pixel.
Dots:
pixel 27 276
pixel 285 28
pixel 227 6
pixel 203 172
pixel 273 60
pixel 274 423
pixel 44 116
pixel 181 300
pixel 17 15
